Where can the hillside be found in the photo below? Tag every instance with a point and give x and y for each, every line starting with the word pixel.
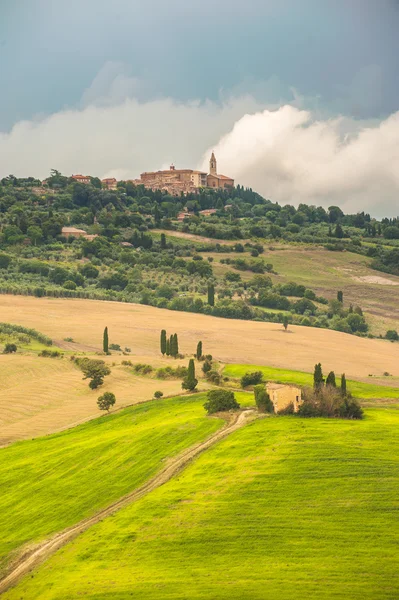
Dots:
pixel 281 509
pixel 246 260
pixel 56 481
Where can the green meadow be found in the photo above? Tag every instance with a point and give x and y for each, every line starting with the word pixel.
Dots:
pixel 53 482
pixel 363 391
pixel 283 509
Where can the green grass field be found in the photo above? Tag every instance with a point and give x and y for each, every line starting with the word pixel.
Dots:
pixel 283 509
pixel 363 391
pixel 53 482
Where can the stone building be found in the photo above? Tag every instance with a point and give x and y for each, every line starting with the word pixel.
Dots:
pixel 177 181
pixel 282 395
pixel 82 178
pixel 109 183
pixel 214 179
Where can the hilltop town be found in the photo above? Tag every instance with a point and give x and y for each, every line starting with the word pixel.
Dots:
pixel 172 180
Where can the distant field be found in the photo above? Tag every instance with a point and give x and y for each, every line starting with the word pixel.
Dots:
pixel 53 482
pixel 357 388
pixel 41 395
pixel 229 341
pixel 324 272
pixel 283 509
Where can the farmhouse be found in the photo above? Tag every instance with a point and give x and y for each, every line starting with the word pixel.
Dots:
pixel 77 233
pixel 282 395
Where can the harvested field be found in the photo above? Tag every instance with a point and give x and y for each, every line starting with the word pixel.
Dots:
pixel 42 395
pixel 228 340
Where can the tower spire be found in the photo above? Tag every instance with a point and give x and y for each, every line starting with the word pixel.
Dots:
pixel 213 165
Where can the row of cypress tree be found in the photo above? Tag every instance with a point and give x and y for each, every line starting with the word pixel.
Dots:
pixel 318 380
pixel 169 345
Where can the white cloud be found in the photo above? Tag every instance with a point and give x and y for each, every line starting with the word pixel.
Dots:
pixel 291 158
pixel 285 154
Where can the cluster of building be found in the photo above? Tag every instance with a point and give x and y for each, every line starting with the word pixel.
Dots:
pixel 174 181
pixel 178 181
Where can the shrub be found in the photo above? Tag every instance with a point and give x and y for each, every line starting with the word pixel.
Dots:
pixel 214 377
pixel 115 347
pixel 251 379
pixel 142 369
pixel 69 285
pixel 9 349
pixel 220 401
pixel 392 335
pixel 158 394
pixel 262 400
pixel 50 353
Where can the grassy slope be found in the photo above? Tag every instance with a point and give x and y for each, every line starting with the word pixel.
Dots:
pixel 357 388
pixel 53 482
pixel 283 509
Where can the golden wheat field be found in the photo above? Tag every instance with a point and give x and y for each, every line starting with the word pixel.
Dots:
pixel 230 341
pixel 45 395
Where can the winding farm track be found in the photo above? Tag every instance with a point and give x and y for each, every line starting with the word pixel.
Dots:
pixel 30 560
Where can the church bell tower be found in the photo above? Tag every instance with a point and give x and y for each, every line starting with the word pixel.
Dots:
pixel 212 165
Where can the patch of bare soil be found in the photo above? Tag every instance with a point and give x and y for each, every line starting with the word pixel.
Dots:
pixel 376 279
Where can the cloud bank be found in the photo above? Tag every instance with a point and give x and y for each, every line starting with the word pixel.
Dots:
pixel 285 153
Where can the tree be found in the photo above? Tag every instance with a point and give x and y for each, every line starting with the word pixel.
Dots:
pixel 167 351
pixel 190 382
pixel 343 385
pixel 163 341
pixel 285 322
pixel 251 379
pixel 207 366
pixel 339 232
pixel 340 296
pixel 163 241
pixel 9 349
pixel 158 395
pixel 262 400
pixel 211 294
pixel 106 401
pixel 331 379
pixel 220 401
pixel 199 351
pixel 105 341
pixel 95 370
pixel 35 234
pixel 318 378
pixel 176 348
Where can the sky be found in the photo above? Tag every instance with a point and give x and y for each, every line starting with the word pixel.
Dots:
pixel 299 100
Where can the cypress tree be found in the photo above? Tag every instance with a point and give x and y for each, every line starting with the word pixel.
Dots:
pixel 190 382
pixel 340 296
pixel 163 341
pixel 171 345
pixel 331 379
pixel 105 340
pixel 211 294
pixel 191 368
pixel 343 385
pixel 167 350
pixel 199 350
pixel 318 378
pixel 176 348
pixel 163 241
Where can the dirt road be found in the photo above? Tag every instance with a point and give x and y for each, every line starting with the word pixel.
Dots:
pixel 35 557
